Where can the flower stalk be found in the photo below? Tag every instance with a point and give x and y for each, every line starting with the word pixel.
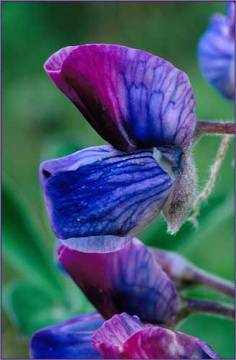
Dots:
pixel 190 306
pixel 214 128
pixel 214 282
pixel 186 274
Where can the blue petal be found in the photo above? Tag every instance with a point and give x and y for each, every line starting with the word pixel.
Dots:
pixel 103 191
pixel 126 279
pixel 69 340
pixel 216 54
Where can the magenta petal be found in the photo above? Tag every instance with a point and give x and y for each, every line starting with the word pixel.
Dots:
pixel 125 337
pixel 110 337
pixel 54 64
pixel 126 279
pixel 53 68
pixel 131 97
pixel 154 342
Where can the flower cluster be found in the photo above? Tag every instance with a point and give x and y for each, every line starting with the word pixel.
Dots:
pixel 121 337
pixel 100 197
pixel 128 278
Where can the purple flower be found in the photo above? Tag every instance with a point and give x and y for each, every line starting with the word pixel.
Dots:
pixel 98 197
pixel 131 97
pixel 126 337
pixel 121 337
pixel 103 191
pixel 143 106
pixel 120 275
pixel 216 52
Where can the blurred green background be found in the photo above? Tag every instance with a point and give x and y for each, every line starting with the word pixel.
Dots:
pixel 40 123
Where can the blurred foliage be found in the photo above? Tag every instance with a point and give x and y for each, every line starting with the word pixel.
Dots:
pixel 40 294
pixel 40 123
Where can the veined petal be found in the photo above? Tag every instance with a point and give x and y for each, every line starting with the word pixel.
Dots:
pixel 125 279
pixel 103 191
pixel 154 342
pixel 69 340
pixel 125 337
pixel 216 52
pixel 111 336
pixel 131 97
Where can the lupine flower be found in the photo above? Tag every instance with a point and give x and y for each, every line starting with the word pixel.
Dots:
pixel 98 197
pixel 121 337
pixel 216 52
pixel 144 106
pixel 121 275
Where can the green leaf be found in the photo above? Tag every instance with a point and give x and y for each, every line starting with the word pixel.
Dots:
pixel 46 296
pixel 76 298
pixel 31 307
pixel 23 246
pixel 15 346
